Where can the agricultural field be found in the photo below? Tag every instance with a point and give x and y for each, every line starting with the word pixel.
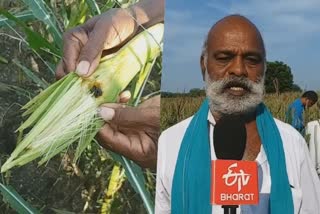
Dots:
pixel 100 181
pixel 176 109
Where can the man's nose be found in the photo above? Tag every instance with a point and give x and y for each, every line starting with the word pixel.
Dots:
pixel 238 67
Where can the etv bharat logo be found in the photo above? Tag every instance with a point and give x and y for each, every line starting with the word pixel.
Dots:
pixel 232 177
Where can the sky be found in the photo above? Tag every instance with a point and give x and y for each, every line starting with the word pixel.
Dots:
pixel 290 29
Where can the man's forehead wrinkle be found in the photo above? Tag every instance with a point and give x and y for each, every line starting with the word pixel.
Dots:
pixel 235 31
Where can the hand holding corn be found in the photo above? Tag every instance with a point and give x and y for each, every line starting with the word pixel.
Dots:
pixel 67 111
pixel 132 132
pixel 83 45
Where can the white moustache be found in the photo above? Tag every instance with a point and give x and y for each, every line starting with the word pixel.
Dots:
pixel 224 103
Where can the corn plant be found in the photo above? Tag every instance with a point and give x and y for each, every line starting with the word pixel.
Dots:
pixel 47 46
pixel 178 108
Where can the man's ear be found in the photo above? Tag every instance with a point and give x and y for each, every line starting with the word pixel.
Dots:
pixel 203 66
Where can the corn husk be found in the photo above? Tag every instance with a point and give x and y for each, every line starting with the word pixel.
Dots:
pixel 66 112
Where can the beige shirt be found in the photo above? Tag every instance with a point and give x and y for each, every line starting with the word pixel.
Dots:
pixel 301 173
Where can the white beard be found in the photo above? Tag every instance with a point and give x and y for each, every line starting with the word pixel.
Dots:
pixel 227 104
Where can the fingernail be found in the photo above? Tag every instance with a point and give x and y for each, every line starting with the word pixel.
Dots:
pixel 83 68
pixel 106 113
pixel 125 96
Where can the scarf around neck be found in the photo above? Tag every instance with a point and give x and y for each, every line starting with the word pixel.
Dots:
pixel 191 181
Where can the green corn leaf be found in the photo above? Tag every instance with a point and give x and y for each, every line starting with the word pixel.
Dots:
pixel 57 211
pixel 44 14
pixel 18 90
pixel 3 60
pixel 35 40
pixel 135 176
pixel 108 5
pixel 139 182
pixel 141 81
pixel 15 201
pixel 78 14
pixel 42 83
pixel 23 16
pixel 64 13
pixel 93 6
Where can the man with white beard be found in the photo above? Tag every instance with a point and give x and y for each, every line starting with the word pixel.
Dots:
pixel 233 64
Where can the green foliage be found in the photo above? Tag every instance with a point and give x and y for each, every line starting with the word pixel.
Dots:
pixel 94 8
pixel 77 13
pixel 3 60
pixel 23 16
pixel 35 40
pixel 136 179
pixel 43 22
pixel 5 88
pixel 40 82
pixel 279 78
pixel 196 92
pixel 43 13
pixel 296 88
pixel 11 197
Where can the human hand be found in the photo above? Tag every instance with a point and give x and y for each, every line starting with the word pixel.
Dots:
pixel 83 45
pixel 132 132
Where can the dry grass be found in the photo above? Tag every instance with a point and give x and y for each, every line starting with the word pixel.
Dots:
pixel 176 109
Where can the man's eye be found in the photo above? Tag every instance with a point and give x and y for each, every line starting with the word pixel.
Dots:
pixel 223 58
pixel 253 60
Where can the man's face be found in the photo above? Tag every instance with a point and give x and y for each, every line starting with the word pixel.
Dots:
pixel 235 67
pixel 309 103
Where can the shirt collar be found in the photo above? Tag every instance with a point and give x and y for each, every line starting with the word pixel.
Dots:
pixel 211 119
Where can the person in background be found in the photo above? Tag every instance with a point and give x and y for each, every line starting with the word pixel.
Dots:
pixel 294 115
pixel 131 132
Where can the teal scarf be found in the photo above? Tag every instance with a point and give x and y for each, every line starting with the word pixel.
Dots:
pixel 191 180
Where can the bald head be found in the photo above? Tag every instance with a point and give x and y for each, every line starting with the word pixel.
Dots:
pixel 234 27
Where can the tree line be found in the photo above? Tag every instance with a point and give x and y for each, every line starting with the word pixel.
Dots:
pixel 278 79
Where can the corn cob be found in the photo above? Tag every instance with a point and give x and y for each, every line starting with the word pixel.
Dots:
pixel 66 112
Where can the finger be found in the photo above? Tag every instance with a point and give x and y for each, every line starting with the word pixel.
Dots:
pixel 60 71
pixel 94 65
pixel 124 96
pixel 70 55
pixel 148 159
pixel 138 147
pixel 91 52
pixel 113 140
pixel 107 114
pixel 147 119
pixel 73 41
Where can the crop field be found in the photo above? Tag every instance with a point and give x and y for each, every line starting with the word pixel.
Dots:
pixel 31 34
pixel 176 109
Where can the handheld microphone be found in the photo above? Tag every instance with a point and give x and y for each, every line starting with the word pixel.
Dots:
pixel 234 182
pixel 229 138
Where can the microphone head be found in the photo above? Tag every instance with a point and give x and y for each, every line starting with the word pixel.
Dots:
pixel 229 138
